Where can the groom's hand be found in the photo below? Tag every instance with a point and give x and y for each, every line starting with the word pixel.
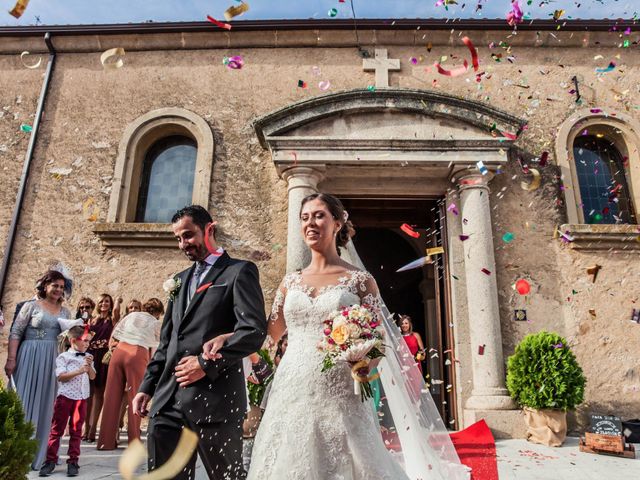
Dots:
pixel 188 371
pixel 140 404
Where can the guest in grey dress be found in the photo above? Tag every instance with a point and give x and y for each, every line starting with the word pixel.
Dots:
pixel 33 349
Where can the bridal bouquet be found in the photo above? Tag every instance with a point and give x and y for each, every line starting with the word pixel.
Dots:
pixel 353 335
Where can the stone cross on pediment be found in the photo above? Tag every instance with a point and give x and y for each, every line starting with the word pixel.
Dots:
pixel 382 66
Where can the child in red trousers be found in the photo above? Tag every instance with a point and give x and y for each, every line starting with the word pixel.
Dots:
pixel 74 368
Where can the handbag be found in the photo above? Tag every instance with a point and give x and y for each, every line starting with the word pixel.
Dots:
pixel 107 357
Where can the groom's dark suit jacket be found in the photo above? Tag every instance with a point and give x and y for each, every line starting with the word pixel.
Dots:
pixel 233 303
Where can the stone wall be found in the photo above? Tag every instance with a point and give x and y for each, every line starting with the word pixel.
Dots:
pixel 88 109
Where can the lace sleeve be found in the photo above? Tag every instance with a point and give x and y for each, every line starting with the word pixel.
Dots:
pixel 277 325
pixel 369 293
pixel 22 321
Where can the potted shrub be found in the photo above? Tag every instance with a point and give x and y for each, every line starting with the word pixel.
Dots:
pixel 545 379
pixel 16 446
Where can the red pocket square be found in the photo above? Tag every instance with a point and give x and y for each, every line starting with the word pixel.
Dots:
pixel 202 288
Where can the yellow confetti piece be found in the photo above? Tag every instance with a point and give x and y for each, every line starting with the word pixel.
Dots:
pixel 112 59
pixel 19 8
pixel 434 251
pixel 90 213
pixel 135 454
pixel 234 11
pixel 535 183
pixel 32 66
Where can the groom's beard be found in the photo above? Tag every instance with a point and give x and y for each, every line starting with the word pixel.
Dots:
pixel 196 253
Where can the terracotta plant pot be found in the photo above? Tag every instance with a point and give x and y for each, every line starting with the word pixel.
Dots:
pixel 547 427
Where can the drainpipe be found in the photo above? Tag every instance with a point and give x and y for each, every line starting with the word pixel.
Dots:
pixel 15 219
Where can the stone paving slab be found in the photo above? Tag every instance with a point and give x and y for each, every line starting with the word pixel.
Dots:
pixel 517 460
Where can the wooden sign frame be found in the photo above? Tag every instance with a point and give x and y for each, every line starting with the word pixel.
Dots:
pixel 606 445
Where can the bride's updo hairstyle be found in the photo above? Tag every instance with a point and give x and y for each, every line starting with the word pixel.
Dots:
pixel 338 212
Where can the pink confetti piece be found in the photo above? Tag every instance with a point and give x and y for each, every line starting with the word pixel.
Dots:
pixel 218 23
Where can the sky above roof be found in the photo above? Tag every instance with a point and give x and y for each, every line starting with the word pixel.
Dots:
pixel 74 12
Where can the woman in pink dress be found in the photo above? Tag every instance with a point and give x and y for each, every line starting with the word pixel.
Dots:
pixel 412 339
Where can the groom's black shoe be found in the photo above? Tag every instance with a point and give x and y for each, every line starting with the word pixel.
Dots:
pixel 47 469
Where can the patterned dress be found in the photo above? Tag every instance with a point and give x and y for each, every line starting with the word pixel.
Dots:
pixel 35 373
pixel 98 347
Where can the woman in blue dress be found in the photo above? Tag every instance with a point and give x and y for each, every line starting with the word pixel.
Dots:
pixel 33 349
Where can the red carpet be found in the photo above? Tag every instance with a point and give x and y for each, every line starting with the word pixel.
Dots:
pixel 477 449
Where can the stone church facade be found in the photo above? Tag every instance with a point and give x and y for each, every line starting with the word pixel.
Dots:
pixel 364 115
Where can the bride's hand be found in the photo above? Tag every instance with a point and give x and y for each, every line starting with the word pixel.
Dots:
pixel 210 349
pixel 373 363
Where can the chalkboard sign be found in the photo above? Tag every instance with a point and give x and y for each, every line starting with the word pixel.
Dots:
pixel 606 425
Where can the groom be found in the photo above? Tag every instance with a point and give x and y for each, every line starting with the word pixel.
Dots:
pixel 216 295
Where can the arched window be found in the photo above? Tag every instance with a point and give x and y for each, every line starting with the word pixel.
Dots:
pixel 166 184
pixel 601 174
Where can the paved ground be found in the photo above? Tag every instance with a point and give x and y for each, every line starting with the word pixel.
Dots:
pixel 517 459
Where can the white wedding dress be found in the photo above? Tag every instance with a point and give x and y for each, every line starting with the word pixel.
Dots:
pixel 315 427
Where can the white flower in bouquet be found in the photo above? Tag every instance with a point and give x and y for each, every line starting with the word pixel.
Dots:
pixel 341 320
pixel 354 331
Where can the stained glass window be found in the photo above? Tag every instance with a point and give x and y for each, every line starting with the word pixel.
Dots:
pixel 603 183
pixel 167 179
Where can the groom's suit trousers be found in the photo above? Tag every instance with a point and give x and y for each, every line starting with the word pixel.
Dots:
pixel 219 448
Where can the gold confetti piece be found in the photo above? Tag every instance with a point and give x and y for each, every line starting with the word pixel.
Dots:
pixel 19 8
pixel 434 251
pixel 234 11
pixel 558 14
pixel 135 454
pixel 112 58
pixel 90 213
pixel 535 183
pixel 35 65
pixel 592 312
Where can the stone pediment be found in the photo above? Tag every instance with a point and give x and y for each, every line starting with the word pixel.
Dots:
pixel 393 119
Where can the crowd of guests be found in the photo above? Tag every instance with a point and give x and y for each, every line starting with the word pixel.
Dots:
pixel 118 347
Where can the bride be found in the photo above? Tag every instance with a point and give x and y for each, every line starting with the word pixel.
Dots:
pixel 315 427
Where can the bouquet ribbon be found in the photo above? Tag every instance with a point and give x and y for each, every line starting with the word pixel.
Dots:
pixel 362 378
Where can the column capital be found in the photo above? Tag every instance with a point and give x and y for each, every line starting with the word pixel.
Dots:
pixel 307 177
pixel 469 180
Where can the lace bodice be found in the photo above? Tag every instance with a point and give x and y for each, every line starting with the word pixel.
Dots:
pixel 303 308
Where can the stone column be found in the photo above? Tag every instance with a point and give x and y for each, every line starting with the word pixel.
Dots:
pixel 489 392
pixel 302 181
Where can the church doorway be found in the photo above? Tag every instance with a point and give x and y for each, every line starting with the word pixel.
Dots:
pixel 421 293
